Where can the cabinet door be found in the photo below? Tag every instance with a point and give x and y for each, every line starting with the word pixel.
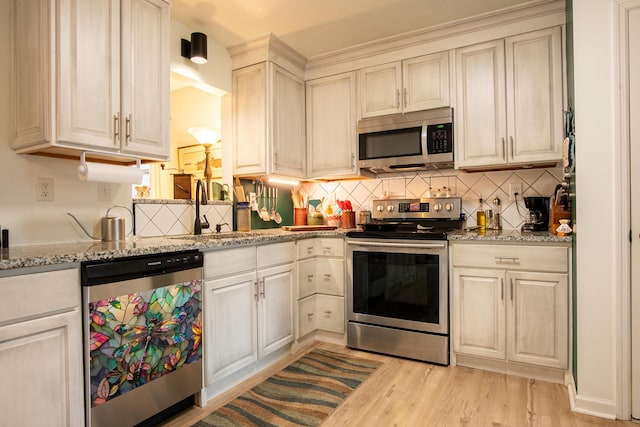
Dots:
pixel 534 96
pixel 275 310
pixel 426 82
pixel 288 116
pixel 330 315
pixel 42 371
pixel 538 318
pixel 145 78
pixel 306 315
pixel 380 89
pixel 331 126
pixel 480 108
pixel 230 325
pixel 478 312
pixel 249 119
pixel 88 48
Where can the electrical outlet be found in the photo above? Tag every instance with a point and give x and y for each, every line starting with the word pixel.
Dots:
pixel 515 187
pixel 104 192
pixel 44 189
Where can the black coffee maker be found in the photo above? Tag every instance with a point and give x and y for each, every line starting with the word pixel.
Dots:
pixel 538 216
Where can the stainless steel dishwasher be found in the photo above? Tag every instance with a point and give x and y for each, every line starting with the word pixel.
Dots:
pixel 142 337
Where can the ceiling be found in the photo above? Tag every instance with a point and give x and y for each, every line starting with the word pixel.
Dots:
pixel 315 27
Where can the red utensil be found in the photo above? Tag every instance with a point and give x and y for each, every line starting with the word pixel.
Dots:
pixel 348 204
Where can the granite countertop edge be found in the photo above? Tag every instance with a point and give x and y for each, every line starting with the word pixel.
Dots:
pixel 76 252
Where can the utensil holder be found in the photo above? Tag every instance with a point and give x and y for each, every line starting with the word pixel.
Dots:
pixel 348 219
pixel 299 216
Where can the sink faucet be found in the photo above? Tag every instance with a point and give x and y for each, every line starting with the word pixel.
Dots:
pixel 201 197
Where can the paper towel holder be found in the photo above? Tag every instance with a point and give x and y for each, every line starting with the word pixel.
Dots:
pixel 83 169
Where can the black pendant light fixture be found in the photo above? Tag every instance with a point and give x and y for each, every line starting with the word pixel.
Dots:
pixel 196 49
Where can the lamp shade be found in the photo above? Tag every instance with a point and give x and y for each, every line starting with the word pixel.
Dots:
pixel 199 48
pixel 205 135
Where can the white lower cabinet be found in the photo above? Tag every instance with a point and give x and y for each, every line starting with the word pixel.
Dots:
pixel 41 350
pixel 248 306
pixel 321 286
pixel 505 310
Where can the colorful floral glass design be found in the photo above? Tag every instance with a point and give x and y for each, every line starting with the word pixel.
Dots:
pixel 139 337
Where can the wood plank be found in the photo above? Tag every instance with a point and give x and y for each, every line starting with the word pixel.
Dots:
pixel 409 393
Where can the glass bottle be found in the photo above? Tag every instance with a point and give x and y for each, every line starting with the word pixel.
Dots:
pixel 481 220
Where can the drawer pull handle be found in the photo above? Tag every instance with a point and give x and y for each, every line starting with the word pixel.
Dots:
pixel 507 259
pixel 501 289
pixel 327 277
pixel 327 313
pixel 511 290
pixel 310 278
pixel 309 316
pixel 327 250
pixel 309 250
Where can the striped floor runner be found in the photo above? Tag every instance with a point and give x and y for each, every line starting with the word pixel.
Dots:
pixel 302 394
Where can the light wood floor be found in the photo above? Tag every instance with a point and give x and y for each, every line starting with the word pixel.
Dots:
pixel 408 393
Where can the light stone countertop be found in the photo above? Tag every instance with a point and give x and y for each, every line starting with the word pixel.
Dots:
pixel 76 252
pixel 508 236
pixel 57 254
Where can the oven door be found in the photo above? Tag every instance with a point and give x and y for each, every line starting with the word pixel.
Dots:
pixel 398 283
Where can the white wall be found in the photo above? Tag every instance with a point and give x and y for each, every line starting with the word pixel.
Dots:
pixel 29 221
pixel 597 284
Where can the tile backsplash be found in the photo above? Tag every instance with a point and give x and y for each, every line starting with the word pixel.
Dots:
pixel 470 186
pixel 155 217
pixel 175 217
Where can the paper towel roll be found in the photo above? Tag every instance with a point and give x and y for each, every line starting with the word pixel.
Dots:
pixel 102 172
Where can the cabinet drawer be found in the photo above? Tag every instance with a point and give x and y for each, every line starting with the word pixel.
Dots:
pixel 512 257
pixel 330 311
pixel 276 253
pixel 229 261
pixel 306 278
pixel 331 247
pixel 37 294
pixel 330 276
pixel 306 316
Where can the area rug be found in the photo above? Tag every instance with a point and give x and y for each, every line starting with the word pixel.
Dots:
pixel 302 394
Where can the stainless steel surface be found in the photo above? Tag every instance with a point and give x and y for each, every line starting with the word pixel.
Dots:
pixel 417 209
pixel 113 228
pixel 155 396
pixel 402 343
pixel 396 122
pixel 401 247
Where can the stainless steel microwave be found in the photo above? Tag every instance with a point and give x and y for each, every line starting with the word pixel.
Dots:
pixel 421 140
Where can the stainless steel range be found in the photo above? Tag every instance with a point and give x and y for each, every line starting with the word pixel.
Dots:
pixel 398 273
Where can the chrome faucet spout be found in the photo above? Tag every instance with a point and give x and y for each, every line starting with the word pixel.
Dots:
pixel 201 198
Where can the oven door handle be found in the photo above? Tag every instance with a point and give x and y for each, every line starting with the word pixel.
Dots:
pixel 398 245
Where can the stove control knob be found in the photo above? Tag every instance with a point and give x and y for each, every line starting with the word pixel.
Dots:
pixel 390 208
pixel 437 207
pixel 449 206
pixel 380 208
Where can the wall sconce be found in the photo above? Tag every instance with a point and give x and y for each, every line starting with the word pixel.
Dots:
pixel 196 49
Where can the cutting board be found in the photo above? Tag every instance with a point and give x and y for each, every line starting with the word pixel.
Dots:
pixel 308 227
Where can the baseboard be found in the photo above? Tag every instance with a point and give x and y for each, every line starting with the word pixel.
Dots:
pixel 589 405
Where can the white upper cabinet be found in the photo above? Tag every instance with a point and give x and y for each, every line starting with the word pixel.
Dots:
pixel 414 84
pixel 509 101
pixel 269 121
pixel 332 126
pixel 92 75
